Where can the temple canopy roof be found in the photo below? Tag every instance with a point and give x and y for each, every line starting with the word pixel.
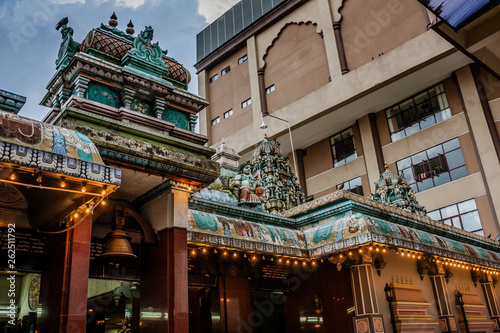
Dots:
pixel 49 173
pixel 335 223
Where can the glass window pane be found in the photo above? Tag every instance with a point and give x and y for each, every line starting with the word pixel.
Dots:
pixel 419 158
pixel 408 174
pixel 397 136
pixel 420 97
pixel 392 111
pixel 439 88
pixel 404 163
pixel 427 122
pixel 471 221
pixel 412 129
pixel 442 179
pixel 355 182
pixel 448 221
pixel 449 211
pixel 425 185
pixel 479 232
pixel 434 151
pixel 458 173
pixel 456 222
pixel 450 145
pixel 434 215
pixel 455 159
pixel 467 206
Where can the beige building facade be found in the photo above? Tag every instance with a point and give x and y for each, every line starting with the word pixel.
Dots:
pixel 361 84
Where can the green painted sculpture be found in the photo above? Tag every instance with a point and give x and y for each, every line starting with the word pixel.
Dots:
pixel 67 49
pixel 144 49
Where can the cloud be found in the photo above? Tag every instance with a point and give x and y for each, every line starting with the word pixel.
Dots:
pixel 212 9
pixel 66 2
pixel 129 3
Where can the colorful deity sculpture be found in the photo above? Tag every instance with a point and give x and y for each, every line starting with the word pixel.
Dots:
pixel 282 188
pixel 394 190
pixel 250 189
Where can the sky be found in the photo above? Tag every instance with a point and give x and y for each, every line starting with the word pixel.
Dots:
pixel 29 42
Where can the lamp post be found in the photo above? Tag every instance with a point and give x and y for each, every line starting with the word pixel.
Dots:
pixel 390 298
pixel 264 126
pixel 461 303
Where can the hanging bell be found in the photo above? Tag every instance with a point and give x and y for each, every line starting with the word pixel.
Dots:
pixel 117 249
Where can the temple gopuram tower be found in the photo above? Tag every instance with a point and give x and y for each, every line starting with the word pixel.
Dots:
pixel 126 95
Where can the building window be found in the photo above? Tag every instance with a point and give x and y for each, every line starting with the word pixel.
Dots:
pixel 213 78
pixel 434 166
pixel 343 149
pixel 228 113
pixel 225 71
pixel 246 103
pixel 418 112
pixel 462 215
pixel 270 89
pixel 215 121
pixel 242 59
pixel 354 185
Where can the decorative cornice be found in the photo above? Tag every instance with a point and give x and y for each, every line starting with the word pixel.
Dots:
pixel 221 241
pixel 396 214
pixel 164 187
pixel 240 212
pixel 117 124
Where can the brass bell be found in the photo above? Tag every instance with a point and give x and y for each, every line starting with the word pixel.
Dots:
pixel 117 249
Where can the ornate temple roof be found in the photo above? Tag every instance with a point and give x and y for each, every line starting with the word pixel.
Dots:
pixel 40 145
pixel 116 44
pixel 11 102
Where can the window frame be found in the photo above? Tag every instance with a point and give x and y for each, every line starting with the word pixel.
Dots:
pixel 242 59
pixel 228 113
pixel 349 187
pixel 417 181
pixel 215 121
pixel 246 103
pixel 416 122
pixel 345 159
pixel 213 78
pixel 270 89
pixel 459 215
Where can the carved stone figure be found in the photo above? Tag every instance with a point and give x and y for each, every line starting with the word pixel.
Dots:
pixel 144 49
pixel 68 46
pixel 224 184
pixel 250 189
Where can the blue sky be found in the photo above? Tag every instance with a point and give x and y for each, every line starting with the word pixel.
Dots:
pixel 29 42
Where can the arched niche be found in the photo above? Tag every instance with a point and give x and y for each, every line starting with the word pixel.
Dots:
pixel 295 63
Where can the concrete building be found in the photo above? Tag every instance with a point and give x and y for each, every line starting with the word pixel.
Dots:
pixel 361 84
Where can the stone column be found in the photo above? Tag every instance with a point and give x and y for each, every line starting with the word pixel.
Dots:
pixel 63 95
pixel 65 280
pixel 369 150
pixel 368 318
pixel 164 271
pixel 481 132
pixel 330 38
pixel 255 86
pixel 192 121
pixel 81 85
pixel 127 97
pixel 447 320
pixel 205 113
pixel 159 107
pixel 492 303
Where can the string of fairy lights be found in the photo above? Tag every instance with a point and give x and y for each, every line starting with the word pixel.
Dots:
pixel 252 256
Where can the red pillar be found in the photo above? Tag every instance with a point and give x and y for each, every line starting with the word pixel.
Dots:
pixel 178 301
pixel 164 283
pixel 65 280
